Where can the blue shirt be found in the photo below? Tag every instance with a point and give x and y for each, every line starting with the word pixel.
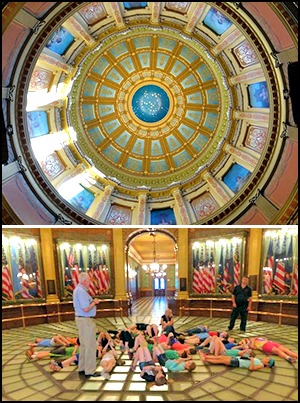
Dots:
pixel 81 300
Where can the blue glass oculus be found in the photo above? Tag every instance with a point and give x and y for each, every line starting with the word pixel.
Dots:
pixel 150 103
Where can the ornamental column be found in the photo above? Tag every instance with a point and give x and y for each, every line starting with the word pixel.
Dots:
pixel 183 263
pixel 216 189
pixel 68 174
pixel 100 203
pixel 119 263
pixel 181 208
pixel 141 209
pixel 255 249
pixel 49 264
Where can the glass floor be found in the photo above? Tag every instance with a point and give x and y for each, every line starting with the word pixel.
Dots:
pixel 33 380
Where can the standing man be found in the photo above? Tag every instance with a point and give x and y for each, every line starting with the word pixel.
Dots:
pixel 241 303
pixel 85 313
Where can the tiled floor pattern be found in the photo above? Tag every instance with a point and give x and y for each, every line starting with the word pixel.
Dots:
pixel 33 380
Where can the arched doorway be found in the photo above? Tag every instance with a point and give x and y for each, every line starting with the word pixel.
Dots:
pixel 151 263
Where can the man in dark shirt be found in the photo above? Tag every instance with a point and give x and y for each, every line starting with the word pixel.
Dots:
pixel 241 303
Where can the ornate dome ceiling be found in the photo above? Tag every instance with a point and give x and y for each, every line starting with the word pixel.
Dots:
pixel 150 110
pixel 152 113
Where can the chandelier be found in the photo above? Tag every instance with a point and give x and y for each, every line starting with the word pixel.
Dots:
pixel 155 269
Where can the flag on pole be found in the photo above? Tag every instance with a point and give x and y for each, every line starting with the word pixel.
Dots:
pixel 7 287
pixel 206 273
pixel 212 268
pixel 268 270
pixel 74 266
pixel 197 285
pixel 237 266
pixel 295 281
pixel 279 277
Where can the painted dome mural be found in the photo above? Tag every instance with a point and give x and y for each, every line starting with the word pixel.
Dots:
pixel 153 113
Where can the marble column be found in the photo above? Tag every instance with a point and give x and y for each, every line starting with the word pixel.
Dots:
pixel 141 212
pixel 216 189
pixel 100 203
pixel 183 261
pixel 254 257
pixel 179 202
pixel 48 263
pixel 119 262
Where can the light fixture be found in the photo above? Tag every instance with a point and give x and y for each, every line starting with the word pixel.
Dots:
pixel 155 269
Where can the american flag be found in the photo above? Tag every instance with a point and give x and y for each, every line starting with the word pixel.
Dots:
pixel 268 274
pixel 206 274
pixel 279 277
pixel 212 268
pixel 38 284
pixel 197 280
pixel 237 266
pixel 225 279
pixel 295 281
pixel 7 287
pixel 196 285
pixel 73 264
pixel 93 284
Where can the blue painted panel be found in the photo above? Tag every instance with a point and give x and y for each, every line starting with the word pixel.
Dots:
pixel 166 43
pixel 186 131
pixel 164 216
pixel 144 59
pixel 259 96
pixel 96 135
pixel 115 76
pixel 60 41
pixel 107 92
pixel 134 4
pixel 112 154
pixel 188 55
pixel 194 116
pixel 105 110
pixel 236 177
pixel 173 143
pixel 88 112
pixel 177 68
pixel 156 148
pixel 212 96
pixel 181 158
pixel 119 49
pixel 199 142
pixel 195 98
pixel 204 73
pixel 211 120
pixel 123 139
pixel 134 164
pixel 89 88
pixel 37 122
pixel 128 64
pixel 100 66
pixel 139 147
pixel 190 81
pixel 111 126
pixel 82 200
pixel 158 166
pixel 216 21
pixel 162 60
pixel 143 42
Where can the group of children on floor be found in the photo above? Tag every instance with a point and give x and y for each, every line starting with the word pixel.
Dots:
pixel 155 350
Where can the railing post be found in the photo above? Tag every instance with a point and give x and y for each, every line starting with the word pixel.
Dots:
pixel 23 317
